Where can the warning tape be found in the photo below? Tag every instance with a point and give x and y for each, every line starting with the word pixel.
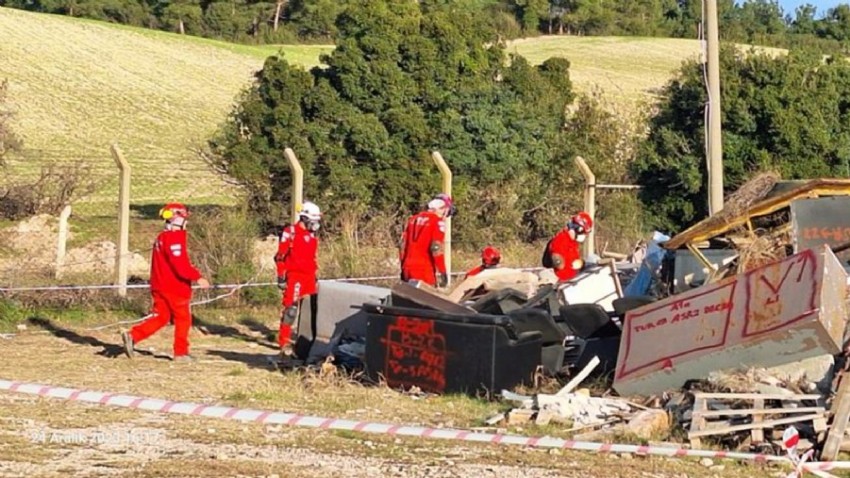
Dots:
pixel 292 419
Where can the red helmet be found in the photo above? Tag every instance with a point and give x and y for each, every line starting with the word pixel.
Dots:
pixel 490 256
pixel 581 222
pixel 173 210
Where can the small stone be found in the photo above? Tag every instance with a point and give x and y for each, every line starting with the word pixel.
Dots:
pixel 555 451
pixel 274 475
pixel 706 462
pixel 627 456
pixel 221 456
pixel 368 443
pixel 210 430
pixel 718 468
pixel 22 326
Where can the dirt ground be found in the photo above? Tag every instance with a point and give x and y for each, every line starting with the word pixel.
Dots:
pixel 52 437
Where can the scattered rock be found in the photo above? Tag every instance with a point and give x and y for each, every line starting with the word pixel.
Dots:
pixel 22 326
pixel 519 416
pixel 706 462
pixel 717 468
pixel 647 423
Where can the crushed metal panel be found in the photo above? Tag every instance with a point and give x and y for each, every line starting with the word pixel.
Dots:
pixel 339 310
pixel 820 221
pixel 780 313
pixel 777 199
pixel 594 285
pixel 689 270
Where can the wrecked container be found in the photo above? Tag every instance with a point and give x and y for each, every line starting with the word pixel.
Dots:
pixel 443 352
pixel 776 314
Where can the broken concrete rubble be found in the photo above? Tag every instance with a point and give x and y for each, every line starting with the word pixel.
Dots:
pixel 781 313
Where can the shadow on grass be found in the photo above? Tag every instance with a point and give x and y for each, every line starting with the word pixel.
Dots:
pixel 258 361
pixel 108 350
pixel 207 328
pixel 258 327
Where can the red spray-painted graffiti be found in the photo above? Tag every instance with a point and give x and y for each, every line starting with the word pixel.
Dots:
pixel 770 289
pixel 416 355
pixel 676 328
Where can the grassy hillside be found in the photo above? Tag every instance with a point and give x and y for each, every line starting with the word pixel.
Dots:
pixel 79 85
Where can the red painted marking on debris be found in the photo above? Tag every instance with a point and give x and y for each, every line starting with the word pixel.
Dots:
pixel 199 410
pixel 105 398
pixel 605 448
pixel 569 444
pixel 393 430
pixel 294 419
pixel 415 354
pixel 261 418
pixel 360 426
pixel 44 390
pixel 167 406
pixel 326 424
pixel 135 403
pixel 497 438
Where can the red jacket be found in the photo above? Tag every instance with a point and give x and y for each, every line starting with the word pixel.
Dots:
pixel 296 253
pixel 422 243
pixel 172 272
pixel 569 251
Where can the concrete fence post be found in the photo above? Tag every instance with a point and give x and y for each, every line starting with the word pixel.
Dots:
pixel 297 183
pixel 61 241
pixel 123 246
pixel 446 174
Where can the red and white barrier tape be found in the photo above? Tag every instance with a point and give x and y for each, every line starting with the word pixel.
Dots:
pixel 281 418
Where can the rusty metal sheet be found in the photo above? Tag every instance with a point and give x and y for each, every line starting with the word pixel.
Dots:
pixel 780 313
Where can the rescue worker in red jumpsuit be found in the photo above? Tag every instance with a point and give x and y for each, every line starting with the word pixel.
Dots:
pixel 172 274
pixel 297 268
pixel 490 258
pixel 422 243
pixel 565 247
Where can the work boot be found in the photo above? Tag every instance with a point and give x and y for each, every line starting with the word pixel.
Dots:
pixel 129 346
pixel 184 358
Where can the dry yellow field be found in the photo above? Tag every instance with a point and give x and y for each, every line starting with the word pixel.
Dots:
pixel 78 86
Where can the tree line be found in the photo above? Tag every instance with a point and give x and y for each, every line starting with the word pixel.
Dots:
pixel 282 21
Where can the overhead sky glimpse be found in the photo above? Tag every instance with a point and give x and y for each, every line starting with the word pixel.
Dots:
pixel 789 6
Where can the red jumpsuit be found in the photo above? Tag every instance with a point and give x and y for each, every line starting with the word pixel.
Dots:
pixel 172 274
pixel 422 248
pixel 569 250
pixel 296 262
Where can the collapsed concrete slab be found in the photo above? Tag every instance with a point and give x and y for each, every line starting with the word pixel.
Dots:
pixel 780 313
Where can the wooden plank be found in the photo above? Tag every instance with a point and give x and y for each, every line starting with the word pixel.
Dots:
pixel 756 411
pixel 697 421
pixel 750 426
pixel 758 433
pixel 840 412
pixel 757 396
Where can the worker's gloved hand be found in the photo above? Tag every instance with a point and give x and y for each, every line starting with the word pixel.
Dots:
pixel 281 282
pixel 442 280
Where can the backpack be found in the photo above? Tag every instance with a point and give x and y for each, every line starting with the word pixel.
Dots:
pixel 547 255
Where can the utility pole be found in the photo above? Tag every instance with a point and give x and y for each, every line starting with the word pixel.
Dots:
pixel 715 148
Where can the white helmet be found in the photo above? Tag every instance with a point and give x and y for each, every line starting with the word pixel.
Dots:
pixel 310 214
